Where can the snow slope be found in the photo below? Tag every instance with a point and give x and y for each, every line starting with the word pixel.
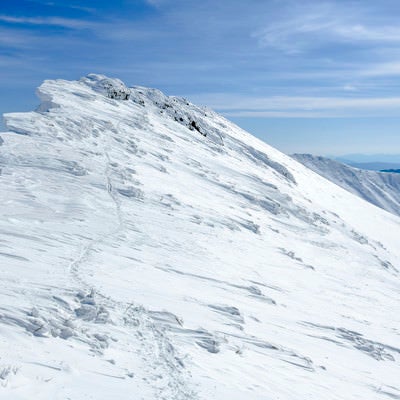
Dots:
pixel 379 188
pixel 151 249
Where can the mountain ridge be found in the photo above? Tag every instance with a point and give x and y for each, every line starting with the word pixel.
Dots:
pixel 147 256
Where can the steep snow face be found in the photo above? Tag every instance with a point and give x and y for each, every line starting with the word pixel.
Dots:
pixel 150 249
pixel 379 188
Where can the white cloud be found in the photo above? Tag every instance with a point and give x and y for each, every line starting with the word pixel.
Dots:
pixel 350 88
pixel 360 32
pixel 300 107
pixel 383 69
pixel 157 3
pixel 70 6
pixel 306 27
pixel 54 21
pixel 13 38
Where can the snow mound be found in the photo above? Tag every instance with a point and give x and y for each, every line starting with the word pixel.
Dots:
pixel 112 88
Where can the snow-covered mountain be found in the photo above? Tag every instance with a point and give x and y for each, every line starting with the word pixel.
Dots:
pixel 379 188
pixel 151 249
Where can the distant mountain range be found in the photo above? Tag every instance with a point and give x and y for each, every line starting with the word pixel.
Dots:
pixel 364 158
pixel 373 162
pixel 393 171
pixel 372 166
pixel 379 188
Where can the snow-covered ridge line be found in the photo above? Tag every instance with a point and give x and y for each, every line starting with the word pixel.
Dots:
pixel 180 110
pixel 150 248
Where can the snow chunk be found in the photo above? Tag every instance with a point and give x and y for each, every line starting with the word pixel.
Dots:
pixel 46 99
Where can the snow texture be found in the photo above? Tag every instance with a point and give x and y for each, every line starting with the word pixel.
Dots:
pixel 151 249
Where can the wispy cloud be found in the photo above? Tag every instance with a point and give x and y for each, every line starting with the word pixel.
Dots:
pixel 359 32
pixel 308 27
pixel 350 88
pixel 383 69
pixel 70 6
pixel 51 21
pixel 157 3
pixel 300 107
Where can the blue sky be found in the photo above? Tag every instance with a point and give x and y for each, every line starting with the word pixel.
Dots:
pixel 306 76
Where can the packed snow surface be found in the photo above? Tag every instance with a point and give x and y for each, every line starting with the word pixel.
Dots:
pixel 151 249
pixel 379 188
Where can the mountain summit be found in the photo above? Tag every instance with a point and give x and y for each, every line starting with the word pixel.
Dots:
pixel 151 249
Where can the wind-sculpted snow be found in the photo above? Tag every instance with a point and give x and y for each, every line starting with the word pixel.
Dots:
pixel 112 88
pixel 150 249
pixel 379 188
